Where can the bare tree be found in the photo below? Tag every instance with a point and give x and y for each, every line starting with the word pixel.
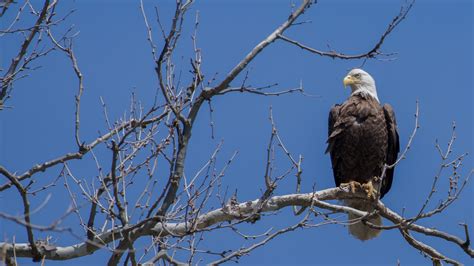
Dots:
pixel 172 212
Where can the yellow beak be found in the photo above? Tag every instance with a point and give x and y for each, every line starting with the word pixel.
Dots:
pixel 348 80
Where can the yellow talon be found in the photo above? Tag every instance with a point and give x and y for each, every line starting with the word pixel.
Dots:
pixel 354 185
pixel 370 190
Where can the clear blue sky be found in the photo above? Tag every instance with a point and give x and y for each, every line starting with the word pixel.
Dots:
pixel 434 65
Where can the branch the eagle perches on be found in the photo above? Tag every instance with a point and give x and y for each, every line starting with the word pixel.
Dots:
pixel 162 215
pixel 241 211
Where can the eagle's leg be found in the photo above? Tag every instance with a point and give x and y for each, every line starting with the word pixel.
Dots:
pixel 354 185
pixel 370 190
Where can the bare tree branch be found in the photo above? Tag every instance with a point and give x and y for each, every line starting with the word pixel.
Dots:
pixel 163 255
pixel 372 53
pixel 234 212
pixel 9 76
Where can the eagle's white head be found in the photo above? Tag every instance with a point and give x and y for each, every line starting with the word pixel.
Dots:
pixel 361 82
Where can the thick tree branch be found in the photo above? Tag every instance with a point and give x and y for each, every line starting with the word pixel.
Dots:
pixel 228 213
pixel 224 84
pixel 206 95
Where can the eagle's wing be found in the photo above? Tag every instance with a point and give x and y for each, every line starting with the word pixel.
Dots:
pixel 333 114
pixel 393 147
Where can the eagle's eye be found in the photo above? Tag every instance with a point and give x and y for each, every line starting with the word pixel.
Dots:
pixel 357 75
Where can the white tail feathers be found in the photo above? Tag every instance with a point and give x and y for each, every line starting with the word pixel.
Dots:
pixel 358 229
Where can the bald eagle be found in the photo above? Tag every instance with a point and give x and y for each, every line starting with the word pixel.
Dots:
pixel 362 138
